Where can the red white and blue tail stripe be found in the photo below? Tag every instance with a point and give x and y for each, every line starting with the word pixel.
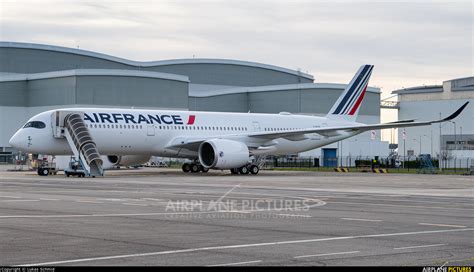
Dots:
pixel 348 104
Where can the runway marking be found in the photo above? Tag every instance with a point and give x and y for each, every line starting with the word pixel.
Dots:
pixel 237 211
pixel 111 199
pixel 11 196
pixel 294 215
pixel 435 245
pixel 239 263
pixel 442 225
pixel 50 199
pixel 134 204
pixel 241 246
pixel 361 219
pixel 20 200
pixel 113 214
pixel 154 199
pixel 89 201
pixel 395 205
pixel 326 254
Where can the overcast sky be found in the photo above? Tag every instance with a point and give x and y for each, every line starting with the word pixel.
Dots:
pixel 411 43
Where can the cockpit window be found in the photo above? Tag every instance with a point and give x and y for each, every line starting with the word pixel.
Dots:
pixel 35 124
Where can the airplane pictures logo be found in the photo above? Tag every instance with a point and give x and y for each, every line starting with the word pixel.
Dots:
pixel 127 118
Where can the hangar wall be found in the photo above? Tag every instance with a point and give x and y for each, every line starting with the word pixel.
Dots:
pixel 313 98
pixel 35 78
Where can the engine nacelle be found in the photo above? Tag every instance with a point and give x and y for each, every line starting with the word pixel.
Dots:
pixel 223 154
pixel 127 160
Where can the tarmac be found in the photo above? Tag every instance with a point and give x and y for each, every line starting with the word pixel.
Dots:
pixel 163 217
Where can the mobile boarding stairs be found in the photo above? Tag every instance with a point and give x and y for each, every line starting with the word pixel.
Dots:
pixel 71 125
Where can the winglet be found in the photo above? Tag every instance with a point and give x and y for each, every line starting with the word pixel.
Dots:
pixel 455 114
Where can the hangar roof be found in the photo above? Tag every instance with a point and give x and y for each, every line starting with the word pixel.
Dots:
pixel 91 72
pixel 420 89
pixel 152 63
pixel 197 92
pixel 457 84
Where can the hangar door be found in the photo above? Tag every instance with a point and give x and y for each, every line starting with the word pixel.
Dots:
pixel 330 157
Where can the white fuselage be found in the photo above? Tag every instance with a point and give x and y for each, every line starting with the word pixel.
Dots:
pixel 151 132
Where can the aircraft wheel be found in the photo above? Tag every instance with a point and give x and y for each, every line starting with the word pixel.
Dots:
pixel 234 171
pixel 244 170
pixel 194 168
pixel 204 169
pixel 186 167
pixel 254 169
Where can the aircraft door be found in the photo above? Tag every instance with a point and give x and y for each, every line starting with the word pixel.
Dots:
pixel 256 126
pixel 150 130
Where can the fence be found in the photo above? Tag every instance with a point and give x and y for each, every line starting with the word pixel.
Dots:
pixel 396 164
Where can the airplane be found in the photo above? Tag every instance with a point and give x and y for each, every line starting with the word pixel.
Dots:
pixel 211 140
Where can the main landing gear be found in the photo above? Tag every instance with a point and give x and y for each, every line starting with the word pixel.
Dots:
pixel 246 169
pixel 194 168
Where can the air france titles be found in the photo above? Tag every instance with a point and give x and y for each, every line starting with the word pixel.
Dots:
pixel 127 118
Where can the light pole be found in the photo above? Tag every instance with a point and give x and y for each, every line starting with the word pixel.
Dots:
pixel 431 142
pixel 404 150
pixel 420 144
pixel 439 138
pixel 455 140
pixel 460 137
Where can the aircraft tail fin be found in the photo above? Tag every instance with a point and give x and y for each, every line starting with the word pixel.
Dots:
pixel 348 104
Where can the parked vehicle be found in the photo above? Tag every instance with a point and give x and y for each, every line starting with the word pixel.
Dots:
pixel 75 169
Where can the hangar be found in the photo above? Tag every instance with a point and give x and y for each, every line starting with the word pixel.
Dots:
pixel 449 141
pixel 37 77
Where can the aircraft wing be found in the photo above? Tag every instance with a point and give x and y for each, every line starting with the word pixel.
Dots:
pixel 192 143
pixel 333 131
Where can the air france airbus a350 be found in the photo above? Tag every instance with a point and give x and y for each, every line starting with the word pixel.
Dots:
pixel 211 140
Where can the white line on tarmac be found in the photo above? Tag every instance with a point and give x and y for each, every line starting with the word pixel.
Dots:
pixel 153 199
pixel 326 254
pixel 361 219
pixel 442 225
pixel 20 200
pixel 50 199
pixel 11 196
pixel 239 263
pixel 396 205
pixel 237 211
pixel 435 245
pixel 89 201
pixel 241 246
pixel 134 204
pixel 294 215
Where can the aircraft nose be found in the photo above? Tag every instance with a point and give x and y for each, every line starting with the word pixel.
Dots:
pixel 15 141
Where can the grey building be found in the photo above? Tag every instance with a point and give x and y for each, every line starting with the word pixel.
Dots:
pixel 35 78
pixel 450 139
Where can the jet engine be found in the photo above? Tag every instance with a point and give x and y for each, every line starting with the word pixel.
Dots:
pixel 126 160
pixel 223 154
